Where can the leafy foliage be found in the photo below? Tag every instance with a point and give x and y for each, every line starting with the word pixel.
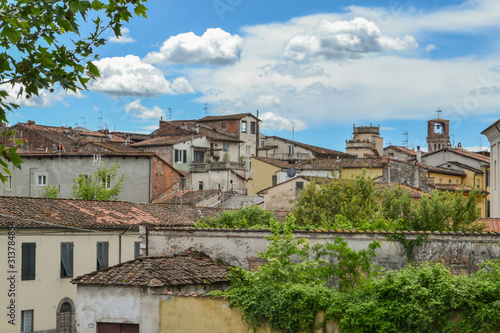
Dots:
pixel 357 203
pixel 425 298
pixel 291 287
pixel 98 185
pixel 41 46
pixel 50 191
pixel 247 217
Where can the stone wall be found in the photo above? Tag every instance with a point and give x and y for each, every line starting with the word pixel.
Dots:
pixel 240 247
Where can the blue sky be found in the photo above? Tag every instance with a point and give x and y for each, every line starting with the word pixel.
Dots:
pixel 312 69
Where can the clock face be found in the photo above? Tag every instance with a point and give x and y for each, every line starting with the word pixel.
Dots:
pixel 438 128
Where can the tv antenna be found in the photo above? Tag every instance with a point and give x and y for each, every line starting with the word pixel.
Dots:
pixel 84 123
pixel 479 142
pixel 206 108
pixel 169 115
pixel 405 139
pixel 100 121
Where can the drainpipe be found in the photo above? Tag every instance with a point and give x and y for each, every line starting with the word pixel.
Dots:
pixel 29 185
pixel 150 185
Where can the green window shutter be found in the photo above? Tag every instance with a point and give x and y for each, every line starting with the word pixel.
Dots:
pixel 175 156
pixel 184 156
pixel 102 255
pixel 66 259
pixel 28 261
pixel 137 250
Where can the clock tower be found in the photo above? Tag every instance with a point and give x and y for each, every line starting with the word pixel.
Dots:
pixel 438 134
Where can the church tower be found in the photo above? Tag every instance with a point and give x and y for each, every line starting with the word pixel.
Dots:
pixel 438 133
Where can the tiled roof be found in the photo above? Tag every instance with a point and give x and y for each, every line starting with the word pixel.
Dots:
pixel 464 166
pixel 445 171
pixel 403 150
pixel 412 191
pixel 318 150
pixel 106 147
pixel 226 117
pixel 273 161
pixel 165 140
pixel 492 224
pixel 159 271
pixel 471 154
pixel 455 187
pixel 54 213
pixel 36 153
pixel 188 197
pixel 342 163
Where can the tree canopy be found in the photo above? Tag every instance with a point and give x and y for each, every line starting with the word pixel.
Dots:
pixel 104 184
pixel 42 46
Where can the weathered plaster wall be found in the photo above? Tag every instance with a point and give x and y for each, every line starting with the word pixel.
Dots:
pixel 212 315
pixel 240 247
pixel 113 304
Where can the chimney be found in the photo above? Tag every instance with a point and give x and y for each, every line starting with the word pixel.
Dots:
pixel 419 155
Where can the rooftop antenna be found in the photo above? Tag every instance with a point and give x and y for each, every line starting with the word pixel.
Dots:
pixel 438 113
pixel 206 108
pixel 84 123
pixel 169 116
pixel 453 140
pixel 405 139
pixel 293 130
pixel 479 142
pixel 100 121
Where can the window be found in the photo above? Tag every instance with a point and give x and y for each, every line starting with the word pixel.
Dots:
pixel 179 156
pixel 27 321
pixel 391 154
pixel 200 185
pixel 28 254
pixel 102 255
pixel 137 250
pixel 440 180
pixel 96 158
pixel 199 156
pixel 224 125
pixel 487 178
pixel 244 126
pixel 274 180
pixel 106 181
pixel 299 185
pixel 21 133
pixel 262 143
pixel 212 148
pixel 252 127
pixel 225 147
pixel 66 259
pixel 8 183
pixel 42 180
pixel 290 149
pixel 449 181
pixel 248 149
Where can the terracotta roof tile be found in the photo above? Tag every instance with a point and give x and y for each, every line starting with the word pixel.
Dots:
pixel 278 163
pixel 470 154
pixel 333 164
pixel 55 213
pixel 402 149
pixel 225 117
pixel 159 271
pixel 492 224
pixel 188 197
pixel 318 150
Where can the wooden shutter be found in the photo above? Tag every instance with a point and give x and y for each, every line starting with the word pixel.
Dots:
pixel 176 159
pixel 66 260
pixel 137 250
pixel 28 261
pixel 184 156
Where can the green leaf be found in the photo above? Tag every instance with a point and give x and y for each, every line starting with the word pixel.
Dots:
pixel 11 33
pixel 93 70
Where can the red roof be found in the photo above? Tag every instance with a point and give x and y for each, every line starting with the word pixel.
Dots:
pixel 492 224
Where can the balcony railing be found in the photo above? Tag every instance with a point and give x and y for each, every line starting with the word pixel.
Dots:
pixel 200 167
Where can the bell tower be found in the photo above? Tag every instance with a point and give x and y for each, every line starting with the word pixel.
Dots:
pixel 438 133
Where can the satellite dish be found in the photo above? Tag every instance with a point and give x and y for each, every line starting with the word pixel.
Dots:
pixel 291 172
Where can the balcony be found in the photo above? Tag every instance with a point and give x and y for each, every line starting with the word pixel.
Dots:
pixel 202 167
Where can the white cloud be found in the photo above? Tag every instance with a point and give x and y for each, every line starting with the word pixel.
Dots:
pixel 215 47
pixel 128 76
pixel 343 39
pixel 271 120
pixel 181 86
pixel 318 88
pixel 430 47
pixel 294 70
pixel 123 39
pixel 268 101
pixel 136 109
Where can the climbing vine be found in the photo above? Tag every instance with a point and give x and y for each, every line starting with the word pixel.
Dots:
pixel 408 244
